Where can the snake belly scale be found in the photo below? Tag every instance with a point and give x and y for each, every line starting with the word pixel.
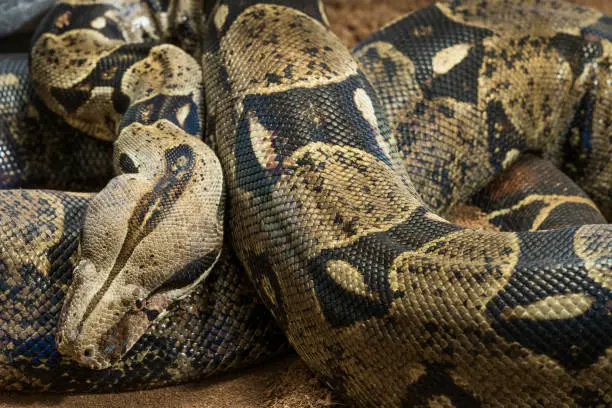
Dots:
pixel 326 177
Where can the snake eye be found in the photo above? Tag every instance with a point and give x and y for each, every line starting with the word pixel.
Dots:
pixel 127 165
pixel 140 303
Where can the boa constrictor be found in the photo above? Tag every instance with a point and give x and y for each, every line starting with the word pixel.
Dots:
pixel 337 168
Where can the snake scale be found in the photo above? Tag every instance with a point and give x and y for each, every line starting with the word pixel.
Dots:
pixel 252 149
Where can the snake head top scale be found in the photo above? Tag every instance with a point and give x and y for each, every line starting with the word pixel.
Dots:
pixel 148 238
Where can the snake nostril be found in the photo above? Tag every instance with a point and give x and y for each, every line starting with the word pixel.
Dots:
pixel 88 352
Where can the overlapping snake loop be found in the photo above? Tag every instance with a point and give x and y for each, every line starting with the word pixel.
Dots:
pixel 339 169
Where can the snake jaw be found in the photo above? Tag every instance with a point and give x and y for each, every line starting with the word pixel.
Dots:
pixel 72 337
pixel 88 340
pixel 98 336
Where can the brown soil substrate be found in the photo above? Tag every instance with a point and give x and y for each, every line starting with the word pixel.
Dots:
pixel 286 383
pixel 354 20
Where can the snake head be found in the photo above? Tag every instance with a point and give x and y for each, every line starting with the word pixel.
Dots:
pixel 148 238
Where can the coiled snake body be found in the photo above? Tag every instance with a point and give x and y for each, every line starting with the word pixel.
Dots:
pixel 338 168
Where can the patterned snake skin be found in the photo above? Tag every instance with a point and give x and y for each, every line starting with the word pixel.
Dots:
pixel 338 169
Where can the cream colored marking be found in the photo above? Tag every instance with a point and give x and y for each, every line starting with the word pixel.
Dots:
pixel 535 117
pixel 182 367
pixel 221 16
pixel 341 195
pixel 465 251
pixel 9 80
pixel 316 117
pixel 322 11
pixel 447 58
pixel 267 287
pixel 182 113
pixel 348 277
pixel 94 44
pixel 50 223
pixel 511 156
pixel 239 107
pixel 552 201
pixel 251 62
pixel 439 401
pixel 405 90
pixel 593 243
pixel 151 73
pixel 141 23
pixel 261 140
pixel 9 101
pixel 564 306
pixel 81 194
pixel 364 105
pixel 98 23
pixel 435 217
pixel 394 284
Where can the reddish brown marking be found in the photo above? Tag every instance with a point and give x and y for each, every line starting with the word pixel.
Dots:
pixel 146 112
pixel 63 20
pixel 514 178
pixel 422 31
pixel 592 37
pixel 110 73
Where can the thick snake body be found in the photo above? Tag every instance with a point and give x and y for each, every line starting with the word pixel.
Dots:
pixel 389 303
pixel 221 325
pixel 333 163
pixel 40 149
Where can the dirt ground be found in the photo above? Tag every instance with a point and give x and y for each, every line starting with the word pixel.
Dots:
pixel 281 384
pixel 353 20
